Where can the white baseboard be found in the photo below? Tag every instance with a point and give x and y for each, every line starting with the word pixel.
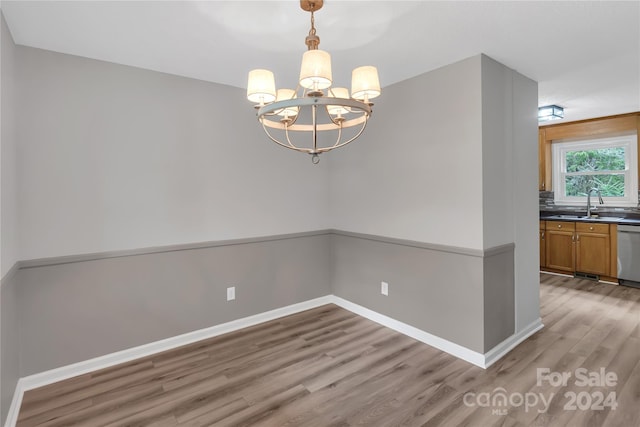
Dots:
pixel 454 349
pixel 571 275
pixel 14 409
pixel 75 369
pixel 497 352
pixel 482 360
pixel 556 274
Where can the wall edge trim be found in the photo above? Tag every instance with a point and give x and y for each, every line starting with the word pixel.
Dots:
pixel 500 350
pixel 416 244
pixel 497 250
pixel 95 256
pixel 11 273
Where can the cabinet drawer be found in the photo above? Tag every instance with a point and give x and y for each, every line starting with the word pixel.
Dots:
pixel 561 225
pixel 589 227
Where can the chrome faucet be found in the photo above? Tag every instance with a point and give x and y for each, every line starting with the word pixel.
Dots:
pixel 589 200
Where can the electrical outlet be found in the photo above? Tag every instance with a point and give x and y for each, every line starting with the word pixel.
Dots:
pixel 384 288
pixel 231 293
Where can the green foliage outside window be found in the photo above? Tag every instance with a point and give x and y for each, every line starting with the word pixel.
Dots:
pixel 583 167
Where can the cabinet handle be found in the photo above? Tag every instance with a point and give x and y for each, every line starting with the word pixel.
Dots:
pixel 559 225
pixel 591 228
pixel 543 235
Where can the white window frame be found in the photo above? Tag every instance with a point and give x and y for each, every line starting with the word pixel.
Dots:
pixel 628 141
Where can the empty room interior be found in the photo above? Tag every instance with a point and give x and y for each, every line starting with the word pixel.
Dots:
pixel 319 213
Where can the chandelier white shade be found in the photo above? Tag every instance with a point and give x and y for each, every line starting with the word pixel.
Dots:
pixel 315 71
pixel 315 117
pixel 262 86
pixel 364 83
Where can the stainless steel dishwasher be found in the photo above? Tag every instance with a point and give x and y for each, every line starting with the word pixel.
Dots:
pixel 629 255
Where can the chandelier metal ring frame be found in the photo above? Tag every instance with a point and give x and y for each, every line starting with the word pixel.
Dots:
pixel 323 108
pixel 269 118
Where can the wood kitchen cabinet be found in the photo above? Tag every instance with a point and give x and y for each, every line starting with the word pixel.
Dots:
pixel 542 185
pixel 560 246
pixel 543 249
pixel 581 247
pixel 593 248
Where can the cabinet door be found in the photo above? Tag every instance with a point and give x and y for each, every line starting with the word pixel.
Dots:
pixel 593 253
pixel 541 161
pixel 544 161
pixel 560 250
pixel 543 249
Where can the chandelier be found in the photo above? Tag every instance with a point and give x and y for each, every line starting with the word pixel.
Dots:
pixel 315 117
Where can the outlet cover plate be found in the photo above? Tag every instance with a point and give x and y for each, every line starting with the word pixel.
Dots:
pixel 231 293
pixel 384 288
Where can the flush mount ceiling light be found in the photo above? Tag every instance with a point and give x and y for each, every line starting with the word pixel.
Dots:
pixel 550 112
pixel 315 117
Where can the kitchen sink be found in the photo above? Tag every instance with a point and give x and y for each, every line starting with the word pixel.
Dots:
pixel 586 218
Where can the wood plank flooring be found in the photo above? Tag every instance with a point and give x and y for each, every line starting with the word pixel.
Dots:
pixel 329 367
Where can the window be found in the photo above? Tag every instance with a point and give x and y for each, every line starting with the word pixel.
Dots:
pixel 608 164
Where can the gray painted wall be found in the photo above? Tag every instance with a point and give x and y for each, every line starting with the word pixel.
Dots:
pixel 119 158
pixel 525 156
pixel 8 152
pixel 9 342
pixel 498 296
pixel 435 291
pixel 417 173
pixel 449 164
pixel 497 149
pixel 510 168
pixel 76 311
pixel 116 157
pixel 9 366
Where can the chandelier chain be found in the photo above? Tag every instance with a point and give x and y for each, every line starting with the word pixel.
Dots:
pixel 312 31
pixel 312 40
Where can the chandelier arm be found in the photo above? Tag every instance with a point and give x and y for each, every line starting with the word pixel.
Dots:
pixel 334 121
pixel 314 112
pixel 338 138
pixel 294 119
pixel 292 147
pixel 286 132
pixel 324 150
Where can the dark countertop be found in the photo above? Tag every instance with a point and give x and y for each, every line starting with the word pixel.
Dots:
pixel 607 218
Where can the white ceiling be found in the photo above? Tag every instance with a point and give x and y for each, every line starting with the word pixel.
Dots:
pixel 585 55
